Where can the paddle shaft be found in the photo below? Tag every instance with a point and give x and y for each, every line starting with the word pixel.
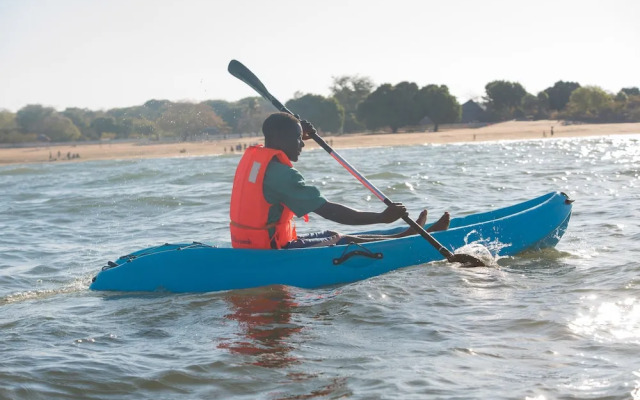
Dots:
pixel 378 193
pixel 241 72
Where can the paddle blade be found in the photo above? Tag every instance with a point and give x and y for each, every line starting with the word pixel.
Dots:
pixel 467 261
pixel 237 69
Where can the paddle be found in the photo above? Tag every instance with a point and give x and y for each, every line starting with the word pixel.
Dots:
pixel 243 73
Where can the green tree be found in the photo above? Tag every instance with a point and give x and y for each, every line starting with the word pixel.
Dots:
pixel 119 114
pixel 325 113
pixel 102 125
pixel 559 94
pixel 504 99
pixel 8 127
pixel 390 106
pixel 626 106
pixel 29 118
pixel 40 120
pixel 142 127
pixel 532 107
pixel 590 103
pixel 350 91
pixel 153 109
pixel 252 111
pixel 543 105
pixel 632 91
pixel 187 120
pixel 632 108
pixel 229 112
pixel 438 104
pixel 58 128
pixel 82 118
pixel 123 120
pixel 621 97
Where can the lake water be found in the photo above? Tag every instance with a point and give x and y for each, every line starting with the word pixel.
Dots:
pixel 562 323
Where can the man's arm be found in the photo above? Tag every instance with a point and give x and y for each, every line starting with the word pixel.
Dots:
pixel 348 216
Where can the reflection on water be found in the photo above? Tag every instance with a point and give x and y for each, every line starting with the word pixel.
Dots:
pixel 267 335
pixel 610 321
pixel 264 319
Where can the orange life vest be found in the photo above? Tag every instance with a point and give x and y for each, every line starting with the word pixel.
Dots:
pixel 250 210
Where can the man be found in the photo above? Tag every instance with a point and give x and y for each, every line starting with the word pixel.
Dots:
pixel 268 192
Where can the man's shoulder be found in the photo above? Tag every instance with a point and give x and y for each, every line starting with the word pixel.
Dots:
pixel 276 168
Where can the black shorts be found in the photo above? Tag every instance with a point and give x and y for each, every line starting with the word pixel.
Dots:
pixel 316 239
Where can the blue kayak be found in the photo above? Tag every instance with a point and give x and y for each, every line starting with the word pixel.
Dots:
pixel 199 267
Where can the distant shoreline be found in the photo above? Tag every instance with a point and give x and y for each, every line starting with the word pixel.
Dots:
pixel 511 130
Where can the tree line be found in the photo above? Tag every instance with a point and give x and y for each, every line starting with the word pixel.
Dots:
pixel 355 104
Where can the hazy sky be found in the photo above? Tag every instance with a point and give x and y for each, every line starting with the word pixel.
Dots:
pixel 118 53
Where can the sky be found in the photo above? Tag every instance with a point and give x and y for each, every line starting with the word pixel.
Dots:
pixel 106 54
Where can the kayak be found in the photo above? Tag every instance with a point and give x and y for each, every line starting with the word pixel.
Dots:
pixel 199 267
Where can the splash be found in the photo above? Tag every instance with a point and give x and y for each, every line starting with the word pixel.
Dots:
pixel 485 250
pixel 480 252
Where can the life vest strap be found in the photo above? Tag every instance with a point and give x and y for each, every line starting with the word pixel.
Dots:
pixel 264 228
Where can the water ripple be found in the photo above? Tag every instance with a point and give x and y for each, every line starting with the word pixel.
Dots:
pixel 558 323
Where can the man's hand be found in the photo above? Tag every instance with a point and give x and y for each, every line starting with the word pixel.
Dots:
pixel 307 129
pixel 393 213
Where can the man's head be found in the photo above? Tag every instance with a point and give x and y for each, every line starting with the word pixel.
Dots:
pixel 283 131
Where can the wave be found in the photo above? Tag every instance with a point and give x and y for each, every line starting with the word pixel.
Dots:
pixel 79 284
pixel 22 170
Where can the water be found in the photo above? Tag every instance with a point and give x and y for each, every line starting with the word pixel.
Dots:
pixel 557 324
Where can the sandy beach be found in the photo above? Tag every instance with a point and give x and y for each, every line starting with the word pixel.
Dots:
pixel 511 130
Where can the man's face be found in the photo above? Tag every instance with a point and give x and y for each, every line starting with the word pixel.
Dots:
pixel 291 143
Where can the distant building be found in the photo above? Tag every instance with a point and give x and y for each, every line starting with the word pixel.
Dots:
pixel 472 112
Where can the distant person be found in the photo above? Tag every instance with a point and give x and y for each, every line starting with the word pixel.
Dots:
pixel 268 192
pixel 552 131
